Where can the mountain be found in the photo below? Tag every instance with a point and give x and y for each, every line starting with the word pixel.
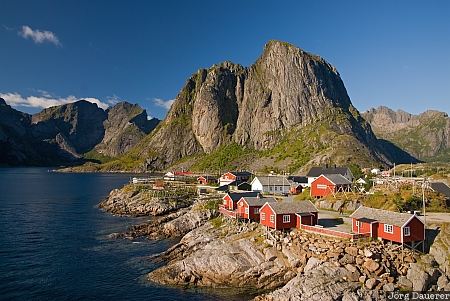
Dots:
pixel 70 133
pixel 126 124
pixel 289 109
pixel 426 136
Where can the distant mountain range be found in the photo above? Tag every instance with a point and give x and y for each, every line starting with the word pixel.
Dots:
pixel 287 111
pixel 425 136
pixel 71 133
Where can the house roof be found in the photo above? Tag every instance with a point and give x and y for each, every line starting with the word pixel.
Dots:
pixel 337 179
pixel 256 201
pixel 298 179
pixel 441 188
pixel 273 180
pixel 317 171
pixel 293 207
pixel 382 216
pixel 241 173
pixel 208 178
pixel 236 196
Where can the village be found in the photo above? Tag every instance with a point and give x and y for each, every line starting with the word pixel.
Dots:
pixel 326 201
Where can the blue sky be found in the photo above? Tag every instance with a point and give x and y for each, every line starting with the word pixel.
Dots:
pixel 393 53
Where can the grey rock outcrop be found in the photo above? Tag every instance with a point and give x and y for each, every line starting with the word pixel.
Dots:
pixel 256 107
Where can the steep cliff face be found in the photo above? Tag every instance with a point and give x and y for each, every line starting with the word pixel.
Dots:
pixel 286 90
pixel 75 127
pixel 426 136
pixel 125 126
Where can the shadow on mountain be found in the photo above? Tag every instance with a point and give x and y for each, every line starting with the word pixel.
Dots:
pixel 396 154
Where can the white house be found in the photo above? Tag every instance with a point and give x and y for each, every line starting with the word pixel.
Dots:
pixel 375 171
pixel 169 176
pixel 271 184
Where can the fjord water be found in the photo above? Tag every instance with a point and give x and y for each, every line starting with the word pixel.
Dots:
pixel 54 242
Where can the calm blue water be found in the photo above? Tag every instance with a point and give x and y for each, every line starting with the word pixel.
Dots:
pixel 54 245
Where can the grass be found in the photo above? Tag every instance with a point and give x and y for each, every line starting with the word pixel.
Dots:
pixel 96 157
pixel 217 222
pixel 223 158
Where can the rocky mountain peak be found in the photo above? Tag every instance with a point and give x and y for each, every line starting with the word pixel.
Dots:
pixel 2 102
pixel 257 106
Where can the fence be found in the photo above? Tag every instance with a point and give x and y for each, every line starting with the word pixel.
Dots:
pixel 334 233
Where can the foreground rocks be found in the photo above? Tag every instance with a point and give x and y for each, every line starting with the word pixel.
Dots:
pixel 176 223
pixel 297 266
pixel 134 200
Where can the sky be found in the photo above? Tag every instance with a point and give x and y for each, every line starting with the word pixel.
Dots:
pixel 393 53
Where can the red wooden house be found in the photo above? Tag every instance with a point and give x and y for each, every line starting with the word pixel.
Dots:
pixel 394 226
pixel 248 207
pixel 230 199
pixel 206 180
pixel 329 184
pixel 235 176
pixel 288 215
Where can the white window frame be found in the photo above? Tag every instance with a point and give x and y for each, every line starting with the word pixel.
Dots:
pixel 406 231
pixel 272 218
pixel 286 218
pixel 263 216
pixel 256 210
pixel 322 186
pixel 357 224
pixel 388 228
pixel 246 210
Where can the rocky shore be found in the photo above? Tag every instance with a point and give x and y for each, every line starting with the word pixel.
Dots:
pixel 221 253
pixel 136 200
pixel 301 266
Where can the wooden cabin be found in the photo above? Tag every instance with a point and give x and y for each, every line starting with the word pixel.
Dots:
pixel 329 184
pixel 288 214
pixel 248 207
pixel 230 199
pixel 388 225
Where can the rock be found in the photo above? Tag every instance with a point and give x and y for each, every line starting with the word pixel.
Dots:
pixel 270 254
pixel 371 283
pixel 371 265
pixel 442 282
pixel 347 259
pixel 351 268
pixel 368 253
pixel 325 282
pixel 439 249
pixel 311 264
pixel 230 103
pixel 388 287
pixel 421 277
pixel 351 251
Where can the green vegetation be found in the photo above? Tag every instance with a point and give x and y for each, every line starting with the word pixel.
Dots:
pixel 223 158
pixel 212 204
pixel 96 157
pixel 217 222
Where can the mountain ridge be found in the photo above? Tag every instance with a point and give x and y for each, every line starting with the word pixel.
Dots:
pixel 71 133
pixel 256 108
pixel 425 135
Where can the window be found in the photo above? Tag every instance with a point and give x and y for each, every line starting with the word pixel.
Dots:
pixel 406 231
pixel 276 188
pixel 263 216
pixel 241 204
pixel 270 188
pixel 286 218
pixel 255 210
pixel 388 228
pixel 321 186
pixel 358 224
pixel 224 202
pixel 246 210
pixel 272 218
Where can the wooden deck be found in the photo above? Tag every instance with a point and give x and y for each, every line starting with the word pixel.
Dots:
pixel 227 212
pixel 334 233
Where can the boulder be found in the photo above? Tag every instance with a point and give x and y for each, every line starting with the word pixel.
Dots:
pixel 371 283
pixel 311 264
pixel 420 278
pixel 371 265
pixel 351 250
